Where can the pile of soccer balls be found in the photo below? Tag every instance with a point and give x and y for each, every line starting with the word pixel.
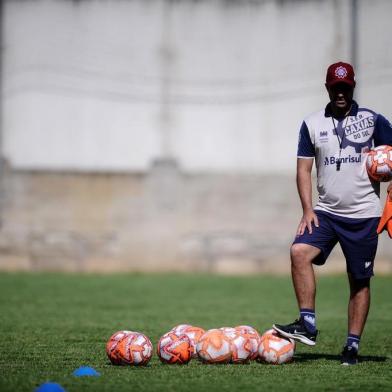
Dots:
pixel 184 342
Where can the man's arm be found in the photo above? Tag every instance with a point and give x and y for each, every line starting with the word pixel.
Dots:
pixel 304 186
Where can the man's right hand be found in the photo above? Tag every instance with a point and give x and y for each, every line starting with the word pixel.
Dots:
pixel 306 222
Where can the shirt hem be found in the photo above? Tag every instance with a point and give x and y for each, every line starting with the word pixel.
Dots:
pixel 356 216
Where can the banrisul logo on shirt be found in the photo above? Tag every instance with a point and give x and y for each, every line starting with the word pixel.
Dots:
pixel 349 159
pixel 357 132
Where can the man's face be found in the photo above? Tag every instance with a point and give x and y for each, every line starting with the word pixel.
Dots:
pixel 341 95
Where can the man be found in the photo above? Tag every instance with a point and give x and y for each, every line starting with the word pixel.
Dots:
pixel 348 207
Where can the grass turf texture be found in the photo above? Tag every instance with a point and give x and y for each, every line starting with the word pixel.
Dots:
pixel 51 324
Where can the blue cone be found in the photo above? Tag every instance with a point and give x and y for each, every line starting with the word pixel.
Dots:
pixel 50 387
pixel 85 371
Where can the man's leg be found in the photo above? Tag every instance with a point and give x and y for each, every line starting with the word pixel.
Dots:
pixel 358 240
pixel 358 306
pixel 307 249
pixel 302 273
pixel 358 309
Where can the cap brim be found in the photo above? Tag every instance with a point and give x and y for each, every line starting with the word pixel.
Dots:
pixel 344 81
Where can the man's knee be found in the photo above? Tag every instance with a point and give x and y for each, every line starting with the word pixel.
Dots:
pixel 302 254
pixel 359 285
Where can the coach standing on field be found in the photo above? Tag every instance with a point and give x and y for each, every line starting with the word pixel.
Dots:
pixel 348 208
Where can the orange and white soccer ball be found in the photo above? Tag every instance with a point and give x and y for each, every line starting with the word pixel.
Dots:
pixel 111 346
pixel 214 347
pixel 253 337
pixel 244 343
pixel 173 348
pixel 275 349
pixel 239 345
pixel 379 163
pixel 193 333
pixel 133 348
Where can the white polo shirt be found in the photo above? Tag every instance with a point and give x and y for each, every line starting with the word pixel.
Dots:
pixel 344 189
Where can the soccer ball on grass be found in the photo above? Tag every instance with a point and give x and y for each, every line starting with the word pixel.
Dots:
pixel 129 348
pixel 111 346
pixel 253 339
pixel 214 347
pixel 275 349
pixel 173 348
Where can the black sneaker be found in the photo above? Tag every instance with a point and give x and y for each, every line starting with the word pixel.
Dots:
pixel 349 356
pixel 297 331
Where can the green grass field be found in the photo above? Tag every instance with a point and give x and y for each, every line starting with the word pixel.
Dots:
pixel 51 324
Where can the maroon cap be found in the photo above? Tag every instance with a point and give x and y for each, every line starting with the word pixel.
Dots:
pixel 340 73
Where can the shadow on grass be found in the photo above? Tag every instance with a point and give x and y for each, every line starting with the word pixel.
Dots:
pixel 333 357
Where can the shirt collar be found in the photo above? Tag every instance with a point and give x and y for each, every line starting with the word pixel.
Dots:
pixel 353 111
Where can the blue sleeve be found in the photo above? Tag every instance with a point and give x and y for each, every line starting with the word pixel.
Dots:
pixel 305 145
pixel 382 131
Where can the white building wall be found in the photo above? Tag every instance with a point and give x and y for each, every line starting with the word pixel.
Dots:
pixel 111 85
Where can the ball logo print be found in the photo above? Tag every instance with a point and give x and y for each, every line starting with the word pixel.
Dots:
pixel 341 72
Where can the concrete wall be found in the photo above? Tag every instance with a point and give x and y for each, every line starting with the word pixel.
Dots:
pixel 163 221
pixel 93 87
pixel 219 85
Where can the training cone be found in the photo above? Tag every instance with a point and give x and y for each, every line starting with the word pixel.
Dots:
pixel 85 371
pixel 50 387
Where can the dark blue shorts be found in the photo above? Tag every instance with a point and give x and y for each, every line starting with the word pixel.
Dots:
pixel 357 237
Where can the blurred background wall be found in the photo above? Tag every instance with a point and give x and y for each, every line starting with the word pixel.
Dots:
pixel 161 135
